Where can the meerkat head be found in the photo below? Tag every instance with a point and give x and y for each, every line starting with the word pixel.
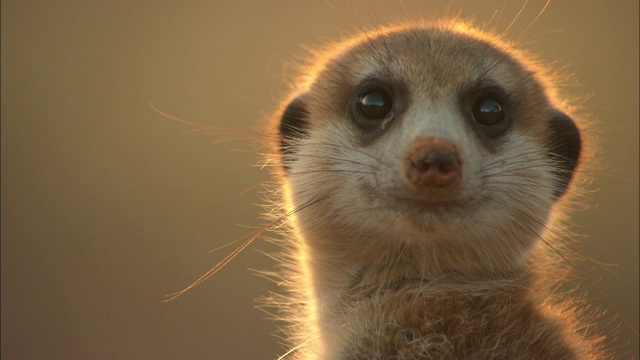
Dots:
pixel 430 137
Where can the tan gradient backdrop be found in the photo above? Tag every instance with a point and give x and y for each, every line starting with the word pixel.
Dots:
pixel 106 207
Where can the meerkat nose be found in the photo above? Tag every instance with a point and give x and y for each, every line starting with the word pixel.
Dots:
pixel 433 163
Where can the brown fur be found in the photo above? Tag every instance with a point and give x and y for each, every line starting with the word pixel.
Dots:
pixel 377 279
pixel 461 320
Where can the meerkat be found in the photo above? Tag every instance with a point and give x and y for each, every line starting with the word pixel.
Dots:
pixel 423 174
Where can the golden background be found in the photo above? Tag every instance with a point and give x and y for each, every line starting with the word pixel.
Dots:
pixel 106 206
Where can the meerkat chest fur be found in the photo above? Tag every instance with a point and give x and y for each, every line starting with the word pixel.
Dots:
pixel 423 168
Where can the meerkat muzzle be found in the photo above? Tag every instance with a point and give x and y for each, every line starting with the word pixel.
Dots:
pixel 432 163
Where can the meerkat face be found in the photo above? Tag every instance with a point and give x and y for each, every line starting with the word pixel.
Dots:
pixel 426 135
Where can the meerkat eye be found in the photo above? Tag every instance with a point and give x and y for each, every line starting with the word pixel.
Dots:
pixel 488 111
pixel 375 104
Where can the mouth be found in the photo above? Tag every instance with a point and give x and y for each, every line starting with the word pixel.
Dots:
pixel 422 211
pixel 432 204
pixel 428 215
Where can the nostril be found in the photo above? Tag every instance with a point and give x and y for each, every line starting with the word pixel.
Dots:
pixel 433 163
pixel 445 162
pixel 432 160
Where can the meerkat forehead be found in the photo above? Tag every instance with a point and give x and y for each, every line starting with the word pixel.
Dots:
pixel 430 58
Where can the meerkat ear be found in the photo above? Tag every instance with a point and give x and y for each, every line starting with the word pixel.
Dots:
pixel 293 127
pixel 565 144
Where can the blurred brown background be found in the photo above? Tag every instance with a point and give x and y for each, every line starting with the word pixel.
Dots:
pixel 106 206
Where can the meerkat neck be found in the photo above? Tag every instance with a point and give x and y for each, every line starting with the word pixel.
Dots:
pixel 332 274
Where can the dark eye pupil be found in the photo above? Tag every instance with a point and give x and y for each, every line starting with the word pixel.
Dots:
pixel 488 111
pixel 375 105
